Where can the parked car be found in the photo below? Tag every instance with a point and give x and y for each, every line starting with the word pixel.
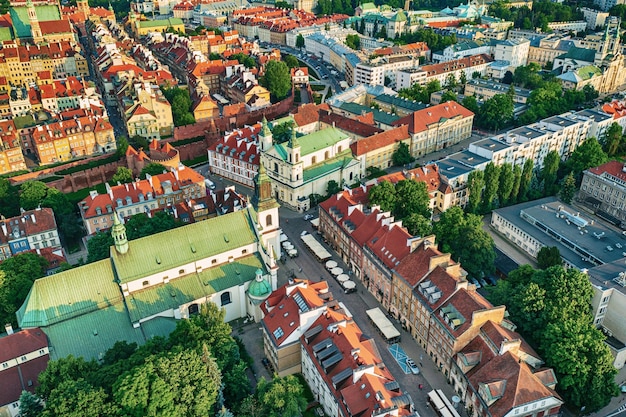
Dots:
pixel 492 280
pixel 308 217
pixel 482 282
pixel 475 282
pixel 412 366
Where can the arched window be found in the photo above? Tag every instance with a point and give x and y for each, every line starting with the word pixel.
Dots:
pixel 145 283
pixel 193 309
pixel 181 272
pixel 225 298
pixel 326 155
pixel 268 220
pixel 339 149
pixel 129 201
pixel 313 159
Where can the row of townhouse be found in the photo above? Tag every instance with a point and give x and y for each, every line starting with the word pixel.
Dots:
pixel 155 193
pixel 31 230
pixel 21 64
pixel 67 139
pixel 134 90
pixel 306 330
pixel 429 294
pixel 562 134
pixel 441 72
pixel 11 155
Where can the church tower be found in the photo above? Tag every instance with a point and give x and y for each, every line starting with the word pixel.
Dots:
pixel 265 136
pixel 295 163
pixel 266 209
pixel 118 231
pixel 35 29
pixel 83 6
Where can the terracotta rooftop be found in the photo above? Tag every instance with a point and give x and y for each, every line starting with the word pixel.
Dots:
pixel 29 223
pixel 613 168
pixel 380 140
pixel 420 120
pixel 348 125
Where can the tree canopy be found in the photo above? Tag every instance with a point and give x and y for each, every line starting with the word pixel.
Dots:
pixel 462 236
pixel 549 256
pixel 277 79
pixel 588 154
pixel 403 199
pixel 552 309
pixel 152 169
pixel 181 103
pixel 196 371
pixel 122 175
pixel 402 155
pixel 17 275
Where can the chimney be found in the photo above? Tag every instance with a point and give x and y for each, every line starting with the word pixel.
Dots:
pixel 32 217
pixel 8 328
pixel 4 228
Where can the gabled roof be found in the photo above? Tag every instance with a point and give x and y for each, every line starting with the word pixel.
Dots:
pixel 283 307
pixel 417 263
pixel 21 343
pixel 420 120
pixel 380 140
pixel 612 168
pixel 522 387
pixel 390 244
pixel 29 223
pixel 457 312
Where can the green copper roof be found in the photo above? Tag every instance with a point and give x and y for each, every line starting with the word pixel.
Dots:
pixel 368 6
pixel 172 21
pixel 315 141
pixel 342 160
pixel 69 294
pixel 399 17
pixel 581 54
pixel 259 288
pixel 91 335
pixel 588 72
pixel 183 245
pixel 6 34
pixel 21 23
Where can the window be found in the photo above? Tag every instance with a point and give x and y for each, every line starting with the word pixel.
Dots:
pixel 225 298
pixel 213 261
pixel 244 251
pixel 181 271
pixel 313 159
pixel 268 220
pixel 145 283
pixel 42 352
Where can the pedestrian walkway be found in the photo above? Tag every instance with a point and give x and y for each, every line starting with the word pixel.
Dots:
pixel 398 354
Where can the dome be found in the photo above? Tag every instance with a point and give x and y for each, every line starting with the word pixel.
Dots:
pixel 260 287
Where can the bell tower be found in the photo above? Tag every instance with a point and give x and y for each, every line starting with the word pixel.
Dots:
pixel 118 231
pixel 83 6
pixel 35 29
pixel 266 208
pixel 265 136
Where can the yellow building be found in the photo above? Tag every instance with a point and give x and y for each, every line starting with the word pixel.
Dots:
pixel 206 109
pixel 377 150
pixel 21 65
pixel 141 28
pixel 62 141
pixel 11 157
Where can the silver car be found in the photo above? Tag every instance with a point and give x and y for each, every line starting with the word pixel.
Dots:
pixel 412 366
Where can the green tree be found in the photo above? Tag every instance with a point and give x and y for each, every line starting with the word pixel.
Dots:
pixel 32 193
pixel 549 171
pixel 450 81
pixel 353 41
pixel 475 185
pixel 251 407
pixel 332 188
pixel 181 103
pixel 549 256
pixel 448 96
pixel 527 174
pixel 411 197
pixel 98 246
pixel 496 112
pixel 462 79
pixel 122 175
pixel 417 225
pixel 470 103
pixel 462 236
pixel 277 79
pixel 182 383
pixel 291 61
pixel 507 180
pixel 587 155
pixel 383 195
pixel 17 275
pixel 152 169
pixel 282 132
pixel 122 146
pixel 61 370
pixel 612 140
pixel 30 405
pixel 299 41
pixel 517 179
pixel 402 155
pixel 78 399
pixel 282 397
pixel 9 199
pixel 492 181
pixel 568 188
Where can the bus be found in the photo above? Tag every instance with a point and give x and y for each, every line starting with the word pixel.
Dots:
pixel 384 326
pixel 440 403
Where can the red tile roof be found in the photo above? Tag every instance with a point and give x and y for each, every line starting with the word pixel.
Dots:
pixel 613 168
pixel 465 302
pixel 420 120
pixel 428 174
pixel 55 26
pixel 306 114
pixel 282 312
pixel 416 264
pixel 347 124
pixel 380 140
pixel 513 382
pixel 30 222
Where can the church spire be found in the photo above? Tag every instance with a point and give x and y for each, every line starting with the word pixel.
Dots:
pixel 118 231
pixel 263 198
pixel 293 141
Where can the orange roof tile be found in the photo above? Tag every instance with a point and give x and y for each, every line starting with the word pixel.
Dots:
pixel 380 140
